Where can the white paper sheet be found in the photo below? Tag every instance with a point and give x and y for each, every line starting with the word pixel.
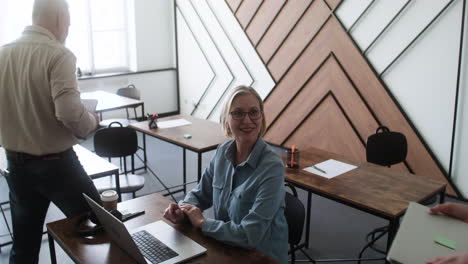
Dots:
pixel 332 168
pixel 173 123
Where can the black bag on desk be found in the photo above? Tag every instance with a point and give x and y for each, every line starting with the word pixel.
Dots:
pixel 386 147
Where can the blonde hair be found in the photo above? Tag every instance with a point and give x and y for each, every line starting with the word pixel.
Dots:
pixel 240 90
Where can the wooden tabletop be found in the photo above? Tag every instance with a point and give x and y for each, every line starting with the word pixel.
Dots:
pixel 101 250
pixel 110 101
pixel 205 135
pixel 382 191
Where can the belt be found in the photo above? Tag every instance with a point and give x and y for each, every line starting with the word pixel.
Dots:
pixel 26 156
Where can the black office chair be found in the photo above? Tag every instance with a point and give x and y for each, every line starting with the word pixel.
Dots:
pixel 118 142
pixel 384 148
pixel 295 216
pixel 131 92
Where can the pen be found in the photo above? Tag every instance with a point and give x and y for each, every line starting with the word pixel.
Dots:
pixel 134 215
pixel 319 169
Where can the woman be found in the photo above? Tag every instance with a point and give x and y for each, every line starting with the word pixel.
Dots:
pixel 244 183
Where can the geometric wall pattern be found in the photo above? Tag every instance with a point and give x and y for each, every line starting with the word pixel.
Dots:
pixel 214 50
pixel 327 94
pixel 318 86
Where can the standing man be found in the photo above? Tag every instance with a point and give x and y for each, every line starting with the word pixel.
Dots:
pixel 41 118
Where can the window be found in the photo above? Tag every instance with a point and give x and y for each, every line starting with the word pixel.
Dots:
pixel 98 33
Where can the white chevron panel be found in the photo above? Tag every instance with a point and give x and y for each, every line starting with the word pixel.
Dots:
pixel 233 57
pixel 263 82
pixel 196 74
pixel 222 72
pixel 403 31
pixel 235 63
pixel 431 86
pixel 374 21
pixel 350 10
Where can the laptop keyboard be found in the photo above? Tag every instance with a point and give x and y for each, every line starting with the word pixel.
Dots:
pixel 153 249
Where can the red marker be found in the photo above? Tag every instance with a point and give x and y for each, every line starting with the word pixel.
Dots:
pixel 292 155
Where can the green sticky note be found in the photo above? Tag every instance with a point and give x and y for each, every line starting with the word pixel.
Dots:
pixel 445 242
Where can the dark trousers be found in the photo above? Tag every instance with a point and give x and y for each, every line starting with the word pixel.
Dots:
pixel 34 182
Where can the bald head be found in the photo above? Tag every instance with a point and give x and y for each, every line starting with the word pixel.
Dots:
pixel 52 15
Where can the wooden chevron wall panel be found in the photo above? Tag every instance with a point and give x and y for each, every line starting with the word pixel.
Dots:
pixel 234 4
pixel 280 28
pixel 247 10
pixel 262 20
pixel 328 112
pixel 326 94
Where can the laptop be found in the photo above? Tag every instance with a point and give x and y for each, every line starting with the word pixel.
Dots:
pixel 166 245
pixel 422 236
pixel 90 104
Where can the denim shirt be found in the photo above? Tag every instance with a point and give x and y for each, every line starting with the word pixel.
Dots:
pixel 248 200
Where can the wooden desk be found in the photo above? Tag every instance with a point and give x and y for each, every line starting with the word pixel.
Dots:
pixel 110 101
pixel 206 136
pixel 101 250
pixel 377 190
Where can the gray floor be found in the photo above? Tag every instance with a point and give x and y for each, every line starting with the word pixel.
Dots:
pixel 337 231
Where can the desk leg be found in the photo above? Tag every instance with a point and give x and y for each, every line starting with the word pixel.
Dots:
pixel 117 183
pixel 184 168
pixel 53 259
pixel 392 230
pixel 442 196
pixel 309 205
pixel 144 150
pixel 199 165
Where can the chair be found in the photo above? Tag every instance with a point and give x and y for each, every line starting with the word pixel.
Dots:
pixel 384 148
pixel 295 216
pixel 131 92
pixel 118 142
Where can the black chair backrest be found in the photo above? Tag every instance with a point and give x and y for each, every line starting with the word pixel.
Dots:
pixel 115 142
pixel 130 91
pixel 295 216
pixel 386 147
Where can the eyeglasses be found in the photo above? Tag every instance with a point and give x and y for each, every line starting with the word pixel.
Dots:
pixel 253 114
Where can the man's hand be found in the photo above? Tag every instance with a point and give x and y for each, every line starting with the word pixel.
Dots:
pixel 194 214
pixel 459 258
pixel 455 210
pixel 174 214
pixel 96 116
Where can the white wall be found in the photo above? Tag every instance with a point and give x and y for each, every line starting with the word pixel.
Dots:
pixel 460 173
pixel 154 34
